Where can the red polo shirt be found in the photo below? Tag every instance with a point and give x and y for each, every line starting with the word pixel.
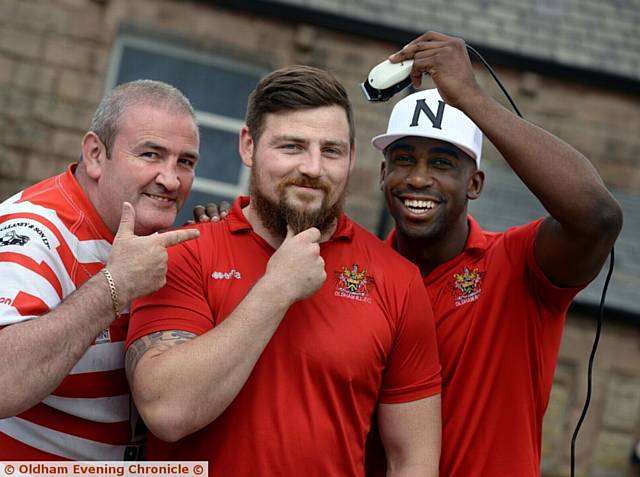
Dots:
pixel 499 322
pixel 366 336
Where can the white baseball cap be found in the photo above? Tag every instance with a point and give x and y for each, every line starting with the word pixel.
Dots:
pixel 425 114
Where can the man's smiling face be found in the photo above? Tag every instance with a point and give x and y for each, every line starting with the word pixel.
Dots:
pixel 427 184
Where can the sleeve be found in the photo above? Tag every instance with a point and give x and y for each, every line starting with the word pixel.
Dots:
pixel 34 276
pixel 413 367
pixel 180 305
pixel 520 244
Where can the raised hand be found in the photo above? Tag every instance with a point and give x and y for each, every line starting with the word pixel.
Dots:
pixel 138 264
pixel 446 60
pixel 297 266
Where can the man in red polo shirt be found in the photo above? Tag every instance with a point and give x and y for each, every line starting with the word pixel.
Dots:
pixel 284 326
pixel 499 299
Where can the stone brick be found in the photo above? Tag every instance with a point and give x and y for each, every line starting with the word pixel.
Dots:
pixel 132 11
pixel 40 17
pixel 621 176
pixel 27 135
pixel 62 162
pixel 34 77
pixel 75 85
pixel 100 58
pixel 66 143
pixel 611 457
pixel 40 167
pixel 7 10
pixel 74 3
pixel 622 408
pixel 19 42
pixel 247 33
pixel 364 212
pixel 9 187
pixel 62 51
pixel 15 103
pixel 11 163
pixel 7 66
pixel 554 430
pixel 89 23
pixel 56 112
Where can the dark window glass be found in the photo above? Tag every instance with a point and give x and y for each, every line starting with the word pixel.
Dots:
pixel 219 159
pixel 209 88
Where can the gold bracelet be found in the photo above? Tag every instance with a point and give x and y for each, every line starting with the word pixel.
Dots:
pixel 113 291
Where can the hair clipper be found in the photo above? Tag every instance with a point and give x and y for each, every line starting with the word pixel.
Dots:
pixel 387 79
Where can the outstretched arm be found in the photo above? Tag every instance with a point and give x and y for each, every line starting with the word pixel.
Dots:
pixel 585 219
pixel 36 355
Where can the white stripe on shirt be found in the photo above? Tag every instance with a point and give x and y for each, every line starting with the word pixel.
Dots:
pixel 59 443
pixel 105 409
pixel 101 357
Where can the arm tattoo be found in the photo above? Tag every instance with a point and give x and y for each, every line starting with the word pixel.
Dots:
pixel 159 341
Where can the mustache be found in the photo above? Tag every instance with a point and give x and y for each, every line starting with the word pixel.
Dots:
pixel 311 182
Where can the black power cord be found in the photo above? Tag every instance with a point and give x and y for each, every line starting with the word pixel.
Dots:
pixel 596 339
pixel 594 348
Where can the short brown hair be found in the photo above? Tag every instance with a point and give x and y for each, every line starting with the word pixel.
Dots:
pixel 295 87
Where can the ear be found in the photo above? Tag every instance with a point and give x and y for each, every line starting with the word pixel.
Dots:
pixel 476 182
pixel 352 157
pixel 94 154
pixel 246 146
pixel 383 173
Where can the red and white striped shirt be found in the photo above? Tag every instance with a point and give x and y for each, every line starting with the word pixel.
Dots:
pixel 52 240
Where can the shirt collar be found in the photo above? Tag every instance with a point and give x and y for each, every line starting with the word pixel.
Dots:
pixel 475 240
pixel 72 186
pixel 238 222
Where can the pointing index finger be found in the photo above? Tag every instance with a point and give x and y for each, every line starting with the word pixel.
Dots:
pixel 175 237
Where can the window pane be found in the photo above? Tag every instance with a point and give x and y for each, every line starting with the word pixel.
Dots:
pixel 219 159
pixel 209 87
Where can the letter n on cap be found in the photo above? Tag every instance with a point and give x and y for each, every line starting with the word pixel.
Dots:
pixel 421 106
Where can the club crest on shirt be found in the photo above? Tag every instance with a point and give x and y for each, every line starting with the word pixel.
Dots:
pixel 467 286
pixel 354 283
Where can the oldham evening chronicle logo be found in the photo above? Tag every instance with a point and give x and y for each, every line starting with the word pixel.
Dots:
pixel 354 283
pixel 466 286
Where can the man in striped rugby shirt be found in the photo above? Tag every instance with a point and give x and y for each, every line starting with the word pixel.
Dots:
pixel 75 249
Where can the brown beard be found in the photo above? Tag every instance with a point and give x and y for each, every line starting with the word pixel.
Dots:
pixel 276 215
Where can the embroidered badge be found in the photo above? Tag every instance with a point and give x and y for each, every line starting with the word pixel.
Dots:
pixel 466 286
pixel 354 284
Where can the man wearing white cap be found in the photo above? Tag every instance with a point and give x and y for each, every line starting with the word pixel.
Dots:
pixel 500 299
